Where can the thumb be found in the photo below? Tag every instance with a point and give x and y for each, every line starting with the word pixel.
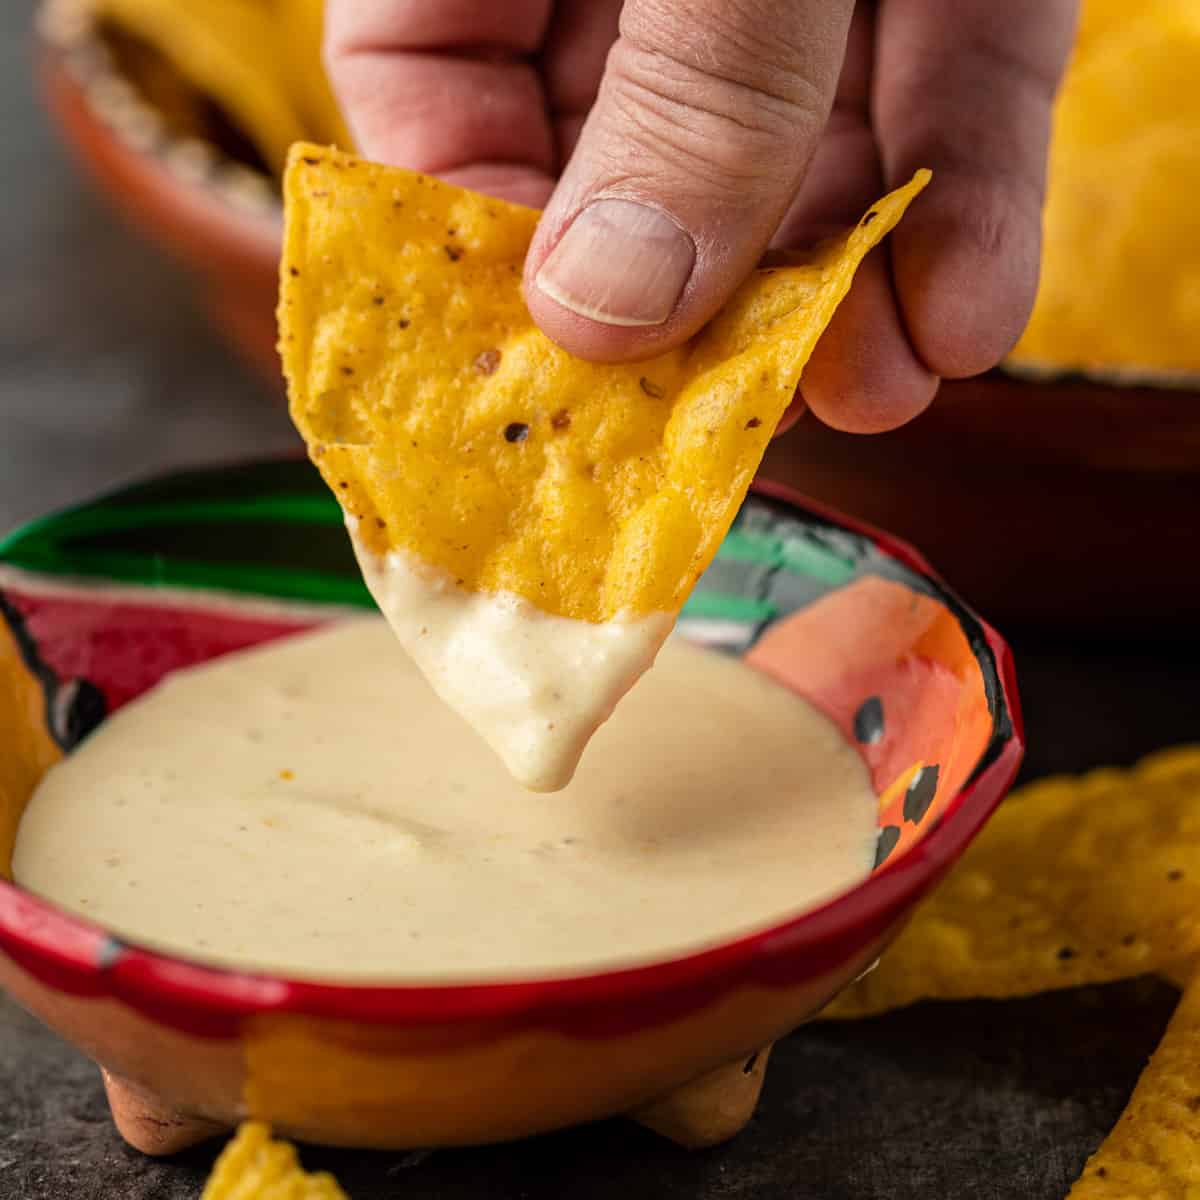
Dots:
pixel 705 122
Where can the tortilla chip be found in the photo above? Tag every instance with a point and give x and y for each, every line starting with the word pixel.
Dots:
pixel 229 50
pixel 450 427
pixel 301 26
pixel 1074 881
pixel 1124 164
pixel 1181 974
pixel 1154 1150
pixel 1101 19
pixel 253 1167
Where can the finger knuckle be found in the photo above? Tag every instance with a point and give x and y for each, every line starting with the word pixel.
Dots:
pixel 727 129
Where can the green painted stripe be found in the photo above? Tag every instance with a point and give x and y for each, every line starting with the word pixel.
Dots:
pixel 739 546
pixel 800 556
pixel 724 607
pixel 109 518
pixel 39 545
pixel 809 558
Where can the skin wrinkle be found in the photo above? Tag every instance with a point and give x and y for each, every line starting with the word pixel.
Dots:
pixel 774 65
pixel 702 146
pixel 746 105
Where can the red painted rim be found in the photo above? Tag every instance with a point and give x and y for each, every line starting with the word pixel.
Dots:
pixel 74 956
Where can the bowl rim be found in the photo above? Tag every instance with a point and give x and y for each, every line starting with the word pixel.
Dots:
pixel 81 957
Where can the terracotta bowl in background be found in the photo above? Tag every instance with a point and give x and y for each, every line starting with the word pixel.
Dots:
pixel 98 603
pixel 216 214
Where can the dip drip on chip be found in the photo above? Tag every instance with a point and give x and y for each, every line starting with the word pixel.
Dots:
pixel 529 523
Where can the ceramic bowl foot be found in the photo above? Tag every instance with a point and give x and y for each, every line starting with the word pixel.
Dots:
pixel 150 1125
pixel 711 1109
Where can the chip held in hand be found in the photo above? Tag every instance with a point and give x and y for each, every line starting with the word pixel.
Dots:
pixel 529 523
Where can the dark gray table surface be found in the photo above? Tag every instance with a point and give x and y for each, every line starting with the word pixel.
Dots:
pixel 108 372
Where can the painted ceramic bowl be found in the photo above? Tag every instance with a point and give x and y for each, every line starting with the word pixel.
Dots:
pixel 99 602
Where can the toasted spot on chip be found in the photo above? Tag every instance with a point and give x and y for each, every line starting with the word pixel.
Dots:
pixel 1154 1149
pixel 1074 881
pixel 486 362
pixel 620 511
pixel 253 1167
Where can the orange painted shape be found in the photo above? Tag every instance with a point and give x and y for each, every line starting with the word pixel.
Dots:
pixel 29 750
pixel 891 799
pixel 876 638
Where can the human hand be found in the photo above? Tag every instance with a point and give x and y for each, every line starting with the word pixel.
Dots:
pixel 673 143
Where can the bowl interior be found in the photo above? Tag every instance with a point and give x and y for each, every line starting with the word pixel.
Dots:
pixel 99 602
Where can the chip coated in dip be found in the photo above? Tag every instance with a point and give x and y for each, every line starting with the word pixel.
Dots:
pixel 534 685
pixel 310 807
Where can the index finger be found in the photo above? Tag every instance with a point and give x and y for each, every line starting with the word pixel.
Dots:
pixel 446 88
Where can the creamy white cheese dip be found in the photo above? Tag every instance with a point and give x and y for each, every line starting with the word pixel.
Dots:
pixel 310 807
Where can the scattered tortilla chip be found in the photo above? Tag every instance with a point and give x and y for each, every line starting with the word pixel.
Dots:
pixel 230 51
pixel 253 1167
pixel 1154 1150
pixel 451 427
pixel 1074 881
pixel 1120 287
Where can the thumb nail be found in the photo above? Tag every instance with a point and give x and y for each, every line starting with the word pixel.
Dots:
pixel 620 263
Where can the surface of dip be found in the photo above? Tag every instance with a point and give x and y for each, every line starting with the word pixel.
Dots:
pixel 310 807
